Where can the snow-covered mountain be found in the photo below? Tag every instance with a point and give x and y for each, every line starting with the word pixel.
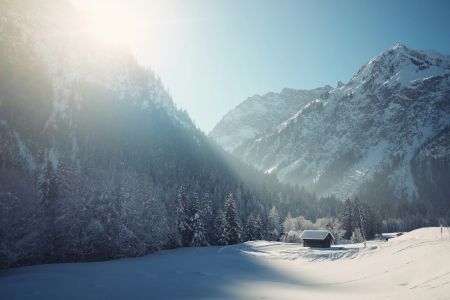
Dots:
pixel 259 113
pixel 94 155
pixel 384 133
pixel 80 149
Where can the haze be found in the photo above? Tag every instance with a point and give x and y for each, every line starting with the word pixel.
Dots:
pixel 212 55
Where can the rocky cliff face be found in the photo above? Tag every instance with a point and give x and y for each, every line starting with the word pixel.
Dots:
pixel 260 113
pixel 388 124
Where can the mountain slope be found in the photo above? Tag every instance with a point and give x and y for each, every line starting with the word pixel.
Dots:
pixel 259 113
pixel 388 124
pixel 82 151
pixel 94 155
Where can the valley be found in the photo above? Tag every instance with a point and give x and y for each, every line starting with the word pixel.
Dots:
pixel 399 268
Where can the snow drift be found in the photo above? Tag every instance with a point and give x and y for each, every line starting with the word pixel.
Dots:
pixel 413 266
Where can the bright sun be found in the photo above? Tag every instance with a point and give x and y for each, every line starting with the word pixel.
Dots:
pixel 111 21
pixel 150 29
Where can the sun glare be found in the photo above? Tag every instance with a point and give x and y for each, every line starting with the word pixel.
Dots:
pixel 112 22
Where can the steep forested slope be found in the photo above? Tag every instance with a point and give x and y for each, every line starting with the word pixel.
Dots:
pixel 95 158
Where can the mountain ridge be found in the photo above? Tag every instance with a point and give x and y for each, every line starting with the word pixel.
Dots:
pixel 251 117
pixel 335 144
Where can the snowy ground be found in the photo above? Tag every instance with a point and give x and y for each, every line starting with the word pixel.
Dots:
pixel 413 266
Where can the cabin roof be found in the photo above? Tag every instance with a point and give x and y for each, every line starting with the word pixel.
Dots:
pixel 315 234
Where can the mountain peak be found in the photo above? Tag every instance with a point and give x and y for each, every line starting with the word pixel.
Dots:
pixel 386 113
pixel 409 55
pixel 403 65
pixel 399 46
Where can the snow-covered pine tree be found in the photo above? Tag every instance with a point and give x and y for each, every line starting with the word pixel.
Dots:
pixel 66 208
pixel 198 238
pixel 357 236
pixel 197 224
pixel 368 221
pixel 346 219
pixel 335 227
pixel 232 222
pixel 182 220
pixel 274 224
pixel 356 218
pixel 43 182
pixel 208 218
pixel 220 229
pixel 363 219
pixel 155 223
pixel 108 209
pixel 250 228
pixel 258 227
pixel 48 185
pixel 288 224
pixel 48 190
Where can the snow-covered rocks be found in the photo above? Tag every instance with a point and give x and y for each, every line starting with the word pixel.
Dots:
pixel 385 127
pixel 260 113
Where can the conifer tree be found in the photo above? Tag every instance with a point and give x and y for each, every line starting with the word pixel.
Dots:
pixel 335 227
pixel 258 227
pixel 208 218
pixel 357 236
pixel 250 228
pixel 232 222
pixel 197 224
pixel 154 221
pixel 288 223
pixel 220 228
pixel 48 186
pixel 346 219
pixel 274 224
pixel 198 238
pixel 48 189
pixel 182 220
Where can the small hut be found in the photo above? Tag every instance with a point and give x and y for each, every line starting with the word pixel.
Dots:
pixel 317 238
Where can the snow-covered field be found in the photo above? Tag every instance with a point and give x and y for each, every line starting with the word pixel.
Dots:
pixel 413 266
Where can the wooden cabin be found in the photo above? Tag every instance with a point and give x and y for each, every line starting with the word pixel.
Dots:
pixel 317 238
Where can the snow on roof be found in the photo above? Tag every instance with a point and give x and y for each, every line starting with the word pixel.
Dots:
pixel 315 234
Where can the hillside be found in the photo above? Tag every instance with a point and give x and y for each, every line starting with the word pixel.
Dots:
pixel 95 158
pixel 383 134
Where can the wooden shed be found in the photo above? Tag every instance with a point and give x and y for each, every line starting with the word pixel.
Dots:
pixel 317 238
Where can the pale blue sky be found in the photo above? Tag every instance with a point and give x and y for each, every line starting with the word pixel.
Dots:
pixel 212 55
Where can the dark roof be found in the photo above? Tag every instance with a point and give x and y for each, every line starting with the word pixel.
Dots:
pixel 315 235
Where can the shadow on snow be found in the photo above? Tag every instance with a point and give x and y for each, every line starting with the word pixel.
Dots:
pixel 188 273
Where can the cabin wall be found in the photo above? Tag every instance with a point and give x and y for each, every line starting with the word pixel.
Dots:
pixel 317 243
